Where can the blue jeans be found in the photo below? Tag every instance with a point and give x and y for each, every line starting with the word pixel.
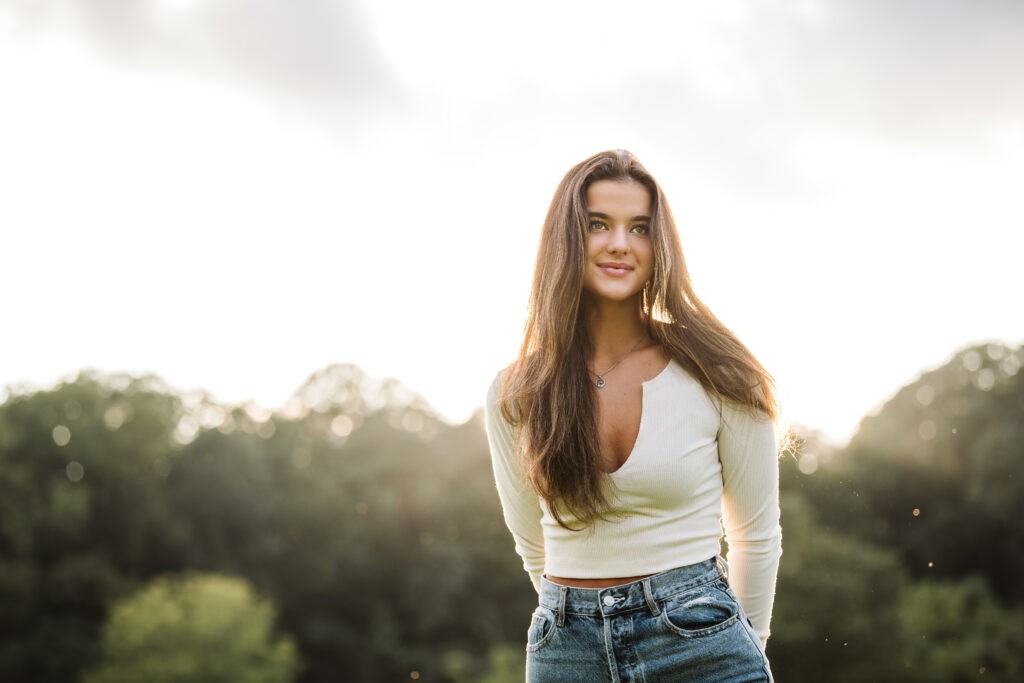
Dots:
pixel 683 624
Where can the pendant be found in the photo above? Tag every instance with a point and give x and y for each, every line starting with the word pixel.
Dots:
pixel 599 383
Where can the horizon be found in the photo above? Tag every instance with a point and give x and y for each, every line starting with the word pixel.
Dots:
pixel 282 408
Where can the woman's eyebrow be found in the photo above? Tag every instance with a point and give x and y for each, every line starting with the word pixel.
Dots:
pixel 598 214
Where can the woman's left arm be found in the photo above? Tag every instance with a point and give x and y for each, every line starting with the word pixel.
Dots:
pixel 750 510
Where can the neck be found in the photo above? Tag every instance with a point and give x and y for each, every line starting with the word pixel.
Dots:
pixel 615 326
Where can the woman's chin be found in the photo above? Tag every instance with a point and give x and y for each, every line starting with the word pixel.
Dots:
pixel 612 296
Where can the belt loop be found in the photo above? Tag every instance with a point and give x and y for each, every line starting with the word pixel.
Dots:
pixel 649 597
pixel 560 620
pixel 723 566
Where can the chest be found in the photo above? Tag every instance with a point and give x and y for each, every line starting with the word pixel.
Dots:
pixel 620 406
pixel 669 414
pixel 619 414
pixel 673 457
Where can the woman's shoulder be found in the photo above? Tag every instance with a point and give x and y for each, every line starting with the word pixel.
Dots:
pixel 677 388
pixel 495 416
pixel 681 375
pixel 685 372
pixel 494 389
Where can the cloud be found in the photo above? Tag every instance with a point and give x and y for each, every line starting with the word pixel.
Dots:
pixel 745 95
pixel 916 70
pixel 315 51
pixel 910 78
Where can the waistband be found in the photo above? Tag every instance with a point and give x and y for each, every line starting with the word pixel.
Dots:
pixel 641 594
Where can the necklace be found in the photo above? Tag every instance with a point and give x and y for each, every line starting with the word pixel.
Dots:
pixel 599 382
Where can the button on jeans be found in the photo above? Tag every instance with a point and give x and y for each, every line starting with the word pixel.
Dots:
pixel 683 624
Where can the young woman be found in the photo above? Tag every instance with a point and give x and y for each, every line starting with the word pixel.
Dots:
pixel 632 428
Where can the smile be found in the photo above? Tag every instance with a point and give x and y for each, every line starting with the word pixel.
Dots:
pixel 615 269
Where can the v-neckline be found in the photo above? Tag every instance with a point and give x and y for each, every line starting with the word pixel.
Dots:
pixel 643 414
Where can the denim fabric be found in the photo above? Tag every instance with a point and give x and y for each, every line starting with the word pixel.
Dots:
pixel 684 624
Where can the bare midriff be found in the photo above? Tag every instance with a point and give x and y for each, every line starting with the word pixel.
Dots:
pixel 593 583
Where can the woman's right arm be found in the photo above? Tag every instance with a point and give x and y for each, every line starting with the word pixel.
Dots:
pixel 519 503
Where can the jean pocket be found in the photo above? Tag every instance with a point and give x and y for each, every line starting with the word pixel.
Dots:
pixel 701 612
pixel 542 627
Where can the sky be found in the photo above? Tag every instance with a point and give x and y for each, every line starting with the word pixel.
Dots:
pixel 234 194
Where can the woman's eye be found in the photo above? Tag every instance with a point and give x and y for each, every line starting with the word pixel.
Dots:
pixel 597 225
pixel 641 229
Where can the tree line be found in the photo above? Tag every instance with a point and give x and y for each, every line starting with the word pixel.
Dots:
pixel 148 534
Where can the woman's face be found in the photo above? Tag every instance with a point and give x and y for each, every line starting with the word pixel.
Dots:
pixel 619 252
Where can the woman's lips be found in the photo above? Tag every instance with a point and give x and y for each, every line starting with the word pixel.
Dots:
pixel 615 269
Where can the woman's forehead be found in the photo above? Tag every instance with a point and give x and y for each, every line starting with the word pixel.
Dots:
pixel 619 197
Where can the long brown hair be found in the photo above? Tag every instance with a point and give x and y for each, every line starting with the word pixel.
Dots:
pixel 547 392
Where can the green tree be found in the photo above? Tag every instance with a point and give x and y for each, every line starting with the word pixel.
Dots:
pixel 82 518
pixel 370 522
pixel 197 627
pixel 367 520
pixel 835 614
pixel 374 527
pixel 956 632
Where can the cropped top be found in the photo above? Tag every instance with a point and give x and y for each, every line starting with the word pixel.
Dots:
pixel 698 466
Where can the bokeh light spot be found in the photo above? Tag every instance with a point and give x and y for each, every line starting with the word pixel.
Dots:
pixel 114 417
pixel 212 416
pixel 927 430
pixel 257 413
pixel 986 379
pixel 808 463
pixel 412 421
pixel 267 430
pixel 924 395
pixel 972 360
pixel 342 425
pixel 186 430
pixel 74 471
pixel 294 409
pixel 228 426
pixel 61 435
pixel 414 675
pixel 917 512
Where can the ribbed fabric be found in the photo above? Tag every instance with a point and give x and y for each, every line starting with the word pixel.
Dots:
pixel 693 471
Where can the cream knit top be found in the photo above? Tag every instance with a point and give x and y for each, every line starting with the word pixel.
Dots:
pixel 698 466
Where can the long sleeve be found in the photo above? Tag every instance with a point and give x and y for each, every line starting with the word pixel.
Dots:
pixel 750 510
pixel 519 504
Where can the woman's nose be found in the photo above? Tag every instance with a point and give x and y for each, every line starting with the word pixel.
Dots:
pixel 618 241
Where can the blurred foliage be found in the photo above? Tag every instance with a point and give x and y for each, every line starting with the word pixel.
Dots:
pixel 199 627
pixel 505 663
pixel 936 473
pixel 958 631
pixel 836 603
pixel 370 524
pixel 373 529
